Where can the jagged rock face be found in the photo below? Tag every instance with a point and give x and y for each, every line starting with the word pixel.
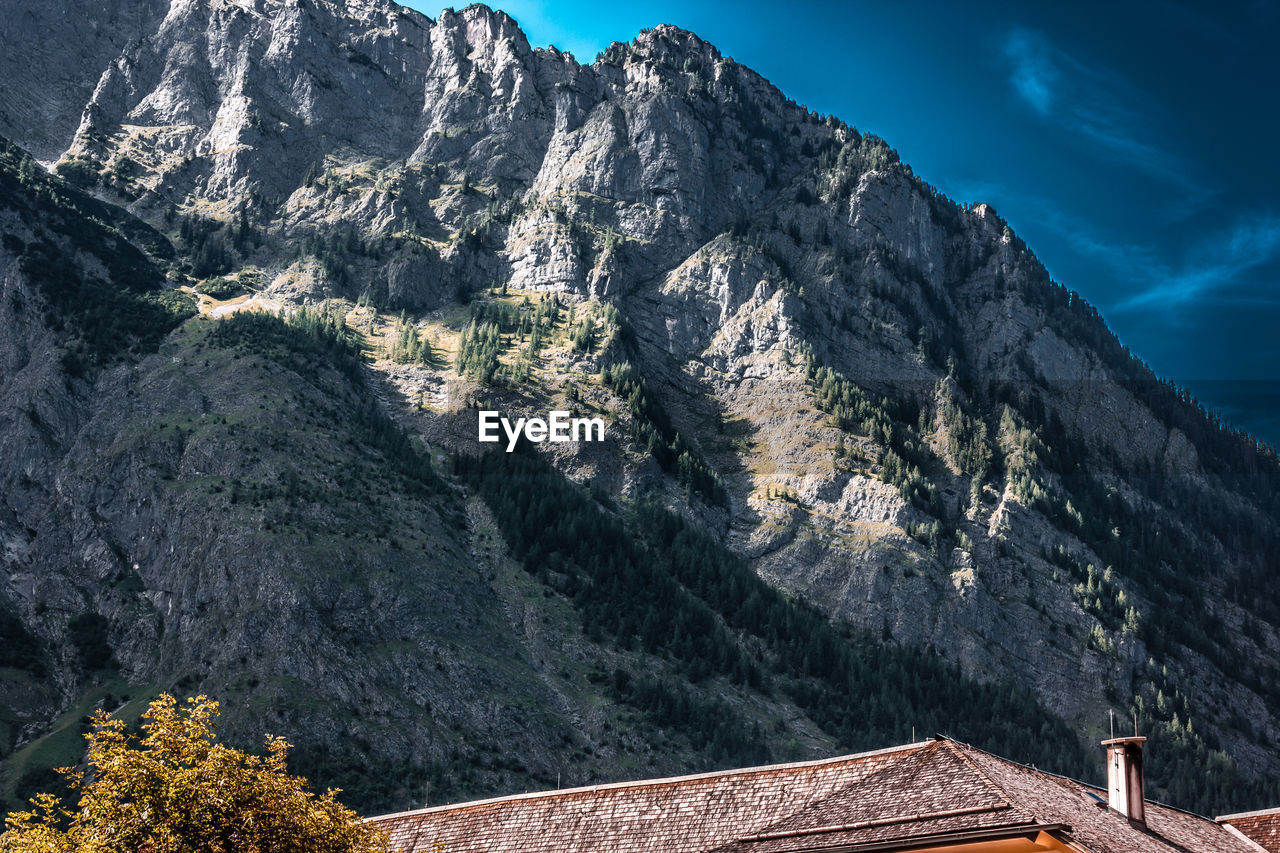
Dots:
pixel 255 93
pixel 228 103
pixel 361 620
pixel 54 55
pixel 735 232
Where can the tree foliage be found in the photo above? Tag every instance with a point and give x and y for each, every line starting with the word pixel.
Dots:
pixel 882 420
pixel 88 634
pixel 647 580
pixel 652 428
pixel 478 352
pixel 408 345
pixel 174 789
pixel 19 648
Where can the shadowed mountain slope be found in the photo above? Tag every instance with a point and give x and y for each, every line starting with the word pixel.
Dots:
pixel 839 405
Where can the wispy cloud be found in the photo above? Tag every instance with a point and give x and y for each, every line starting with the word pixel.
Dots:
pixel 1214 268
pixel 1035 76
pixel 1098 103
pixel 1218 266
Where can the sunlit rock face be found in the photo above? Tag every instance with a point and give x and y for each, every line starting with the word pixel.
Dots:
pixel 740 238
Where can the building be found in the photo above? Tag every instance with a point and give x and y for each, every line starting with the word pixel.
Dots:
pixel 939 796
pixel 1262 828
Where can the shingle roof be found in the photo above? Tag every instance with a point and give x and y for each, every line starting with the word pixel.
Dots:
pixel 1262 828
pixel 905 795
pixel 686 813
pixel 934 791
pixel 1054 799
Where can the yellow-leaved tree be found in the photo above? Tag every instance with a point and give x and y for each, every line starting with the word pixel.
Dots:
pixel 174 789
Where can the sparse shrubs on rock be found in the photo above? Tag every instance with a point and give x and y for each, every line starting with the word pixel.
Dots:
pixel 856 411
pixel 408 345
pixel 966 440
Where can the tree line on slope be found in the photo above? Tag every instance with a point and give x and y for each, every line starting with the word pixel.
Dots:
pixel 642 579
pixel 649 582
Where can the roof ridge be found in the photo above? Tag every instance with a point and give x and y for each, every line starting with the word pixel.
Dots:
pixel 924 756
pixel 651 783
pixel 960 750
pixel 1062 777
pixel 1255 813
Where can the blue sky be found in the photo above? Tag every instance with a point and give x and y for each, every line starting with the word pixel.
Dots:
pixel 1135 147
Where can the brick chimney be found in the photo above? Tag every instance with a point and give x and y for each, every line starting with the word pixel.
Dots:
pixel 1125 788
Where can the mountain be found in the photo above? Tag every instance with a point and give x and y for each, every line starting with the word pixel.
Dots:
pixel 866 470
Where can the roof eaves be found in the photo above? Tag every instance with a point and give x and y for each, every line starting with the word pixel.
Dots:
pixel 969 836
pixel 867 824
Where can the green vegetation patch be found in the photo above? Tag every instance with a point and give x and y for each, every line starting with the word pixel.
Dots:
pixel 311 342
pixel 88 633
pixel 128 310
pixel 857 412
pixel 30 770
pixel 496 325
pixel 408 345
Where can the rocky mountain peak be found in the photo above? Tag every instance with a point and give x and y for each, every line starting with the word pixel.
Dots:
pixel 851 388
pixel 485 25
pixel 674 46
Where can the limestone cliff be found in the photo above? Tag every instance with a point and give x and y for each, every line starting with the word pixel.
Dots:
pixel 911 426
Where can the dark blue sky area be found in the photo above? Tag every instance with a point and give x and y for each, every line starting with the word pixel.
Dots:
pixel 1135 148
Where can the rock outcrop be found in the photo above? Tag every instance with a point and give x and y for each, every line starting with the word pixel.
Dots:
pixel 916 430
